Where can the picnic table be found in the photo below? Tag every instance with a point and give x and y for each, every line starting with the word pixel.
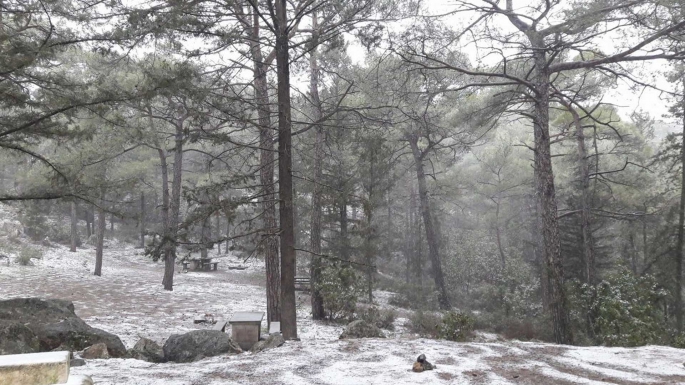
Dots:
pixel 204 264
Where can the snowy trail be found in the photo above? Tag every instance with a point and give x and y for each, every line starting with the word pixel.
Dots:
pixel 128 301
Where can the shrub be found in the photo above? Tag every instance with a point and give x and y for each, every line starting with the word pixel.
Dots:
pixel 382 318
pixel 340 289
pixel 425 324
pixel 623 310
pixel 456 326
pixel 415 297
pixel 26 254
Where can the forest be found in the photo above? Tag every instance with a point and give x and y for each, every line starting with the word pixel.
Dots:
pixel 509 166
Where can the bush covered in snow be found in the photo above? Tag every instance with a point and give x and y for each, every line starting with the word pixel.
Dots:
pixel 623 310
pixel 26 254
pixel 382 318
pixel 340 287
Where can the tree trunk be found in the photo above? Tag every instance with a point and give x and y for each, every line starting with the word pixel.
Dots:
pixel 285 176
pixel 74 228
pixel 431 239
pixel 111 222
pixel 100 234
pixel 142 220
pixel 344 253
pixel 174 210
pixel 681 234
pixel 266 175
pixel 315 229
pixel 218 234
pixel 369 239
pixel 416 239
pixel 502 255
pixel 204 238
pixel 546 194
pixel 585 214
pixel 86 216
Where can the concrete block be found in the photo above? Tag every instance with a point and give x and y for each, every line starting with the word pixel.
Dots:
pixel 34 368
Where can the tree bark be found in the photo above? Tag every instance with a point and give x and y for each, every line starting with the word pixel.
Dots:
pixel 681 235
pixel 431 239
pixel 100 234
pixel 546 194
pixel 315 225
pixel 285 177
pixel 218 234
pixel 74 228
pixel 266 175
pixel 174 210
pixel 142 219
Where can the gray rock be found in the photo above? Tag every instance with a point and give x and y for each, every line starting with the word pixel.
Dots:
pixel 271 342
pixel 147 350
pixel 97 351
pixel 198 344
pixel 77 362
pixel 361 329
pixel 16 338
pixel 76 334
pixel 56 325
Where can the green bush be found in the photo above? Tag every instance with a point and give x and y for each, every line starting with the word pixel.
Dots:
pixel 382 318
pixel 623 310
pixel 456 326
pixel 425 324
pixel 340 289
pixel 26 254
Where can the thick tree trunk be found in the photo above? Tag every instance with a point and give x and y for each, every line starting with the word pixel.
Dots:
pixel 74 228
pixel 546 194
pixel 204 238
pixel 369 239
pixel 142 219
pixel 285 176
pixel 100 234
pixel 416 239
pixel 174 211
pixel 315 225
pixel 681 235
pixel 431 238
pixel 266 175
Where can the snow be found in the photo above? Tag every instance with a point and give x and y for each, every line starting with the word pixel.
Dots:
pixel 33 358
pixel 128 300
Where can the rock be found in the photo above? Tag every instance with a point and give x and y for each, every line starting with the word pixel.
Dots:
pixel 271 342
pixel 76 334
pixel 56 325
pixel 198 344
pixel 147 350
pixel 418 368
pixel 97 351
pixel 15 338
pixel 77 362
pixel 361 329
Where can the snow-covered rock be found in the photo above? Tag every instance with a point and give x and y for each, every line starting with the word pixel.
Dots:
pixel 198 344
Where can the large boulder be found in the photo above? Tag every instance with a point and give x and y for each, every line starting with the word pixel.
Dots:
pixel 198 344
pixel 56 325
pixel 361 329
pixel 272 341
pixel 97 351
pixel 16 338
pixel 147 350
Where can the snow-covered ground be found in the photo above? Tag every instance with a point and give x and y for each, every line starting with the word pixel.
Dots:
pixel 128 301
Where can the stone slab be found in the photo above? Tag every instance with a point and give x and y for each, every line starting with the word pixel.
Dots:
pixel 34 368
